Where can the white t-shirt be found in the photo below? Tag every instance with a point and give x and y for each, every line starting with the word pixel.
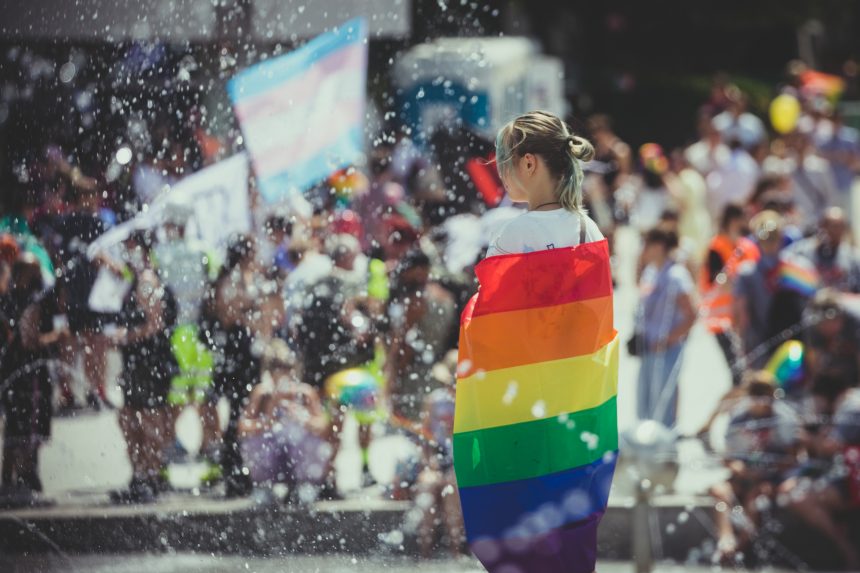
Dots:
pixel 649 207
pixel 542 230
pixel 746 128
pixel 732 182
pixel 705 157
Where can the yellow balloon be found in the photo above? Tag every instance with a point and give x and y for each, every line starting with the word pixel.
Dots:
pixel 784 113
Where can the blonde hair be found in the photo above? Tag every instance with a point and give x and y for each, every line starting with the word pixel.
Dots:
pixel 544 134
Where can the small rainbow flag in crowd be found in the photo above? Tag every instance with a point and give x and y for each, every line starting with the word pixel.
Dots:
pixel 814 83
pixel 535 425
pixel 797 276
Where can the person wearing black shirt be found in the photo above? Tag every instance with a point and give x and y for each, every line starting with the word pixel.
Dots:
pixel 76 230
pixel 226 327
pixel 147 315
pixel 25 385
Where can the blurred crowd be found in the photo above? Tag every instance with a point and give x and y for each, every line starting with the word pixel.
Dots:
pixel 334 304
pixel 347 306
pixel 747 231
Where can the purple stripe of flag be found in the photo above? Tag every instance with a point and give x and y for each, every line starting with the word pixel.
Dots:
pixel 568 549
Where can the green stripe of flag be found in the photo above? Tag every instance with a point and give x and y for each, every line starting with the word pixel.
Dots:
pixel 532 449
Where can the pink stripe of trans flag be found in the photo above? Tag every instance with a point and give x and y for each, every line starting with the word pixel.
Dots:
pixel 280 158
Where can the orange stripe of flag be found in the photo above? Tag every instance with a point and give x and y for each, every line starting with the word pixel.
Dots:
pixel 507 339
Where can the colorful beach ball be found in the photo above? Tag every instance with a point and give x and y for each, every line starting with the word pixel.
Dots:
pixel 786 365
pixel 357 390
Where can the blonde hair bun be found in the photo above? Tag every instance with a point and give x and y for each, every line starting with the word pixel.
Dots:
pixel 546 135
pixel 581 148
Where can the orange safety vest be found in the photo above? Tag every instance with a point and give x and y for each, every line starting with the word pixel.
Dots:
pixel 716 305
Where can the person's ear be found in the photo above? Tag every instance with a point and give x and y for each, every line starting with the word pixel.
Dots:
pixel 530 163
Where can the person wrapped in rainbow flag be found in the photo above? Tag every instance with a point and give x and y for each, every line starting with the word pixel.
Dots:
pixel 535 425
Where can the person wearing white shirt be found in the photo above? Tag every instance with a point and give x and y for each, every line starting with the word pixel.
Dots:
pixel 542 230
pixel 733 180
pixel 813 187
pixel 736 124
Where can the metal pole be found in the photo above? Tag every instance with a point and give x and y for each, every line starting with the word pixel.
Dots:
pixel 642 551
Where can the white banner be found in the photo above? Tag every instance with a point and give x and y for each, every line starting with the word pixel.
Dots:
pixel 218 197
pixel 108 292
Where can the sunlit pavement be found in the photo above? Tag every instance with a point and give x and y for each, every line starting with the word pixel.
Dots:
pixel 184 563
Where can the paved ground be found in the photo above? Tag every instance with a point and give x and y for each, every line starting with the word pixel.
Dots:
pixel 188 563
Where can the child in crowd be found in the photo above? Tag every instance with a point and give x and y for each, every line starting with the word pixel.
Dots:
pixel 284 429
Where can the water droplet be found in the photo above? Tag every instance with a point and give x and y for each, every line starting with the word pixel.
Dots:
pixel 510 393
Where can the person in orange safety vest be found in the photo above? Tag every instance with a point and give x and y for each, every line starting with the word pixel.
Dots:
pixel 726 251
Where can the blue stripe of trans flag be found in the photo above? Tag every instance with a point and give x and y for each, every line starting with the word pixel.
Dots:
pixel 303 176
pixel 270 74
pixel 534 506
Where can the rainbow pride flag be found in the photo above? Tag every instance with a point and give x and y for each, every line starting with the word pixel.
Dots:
pixel 535 425
pixel 797 275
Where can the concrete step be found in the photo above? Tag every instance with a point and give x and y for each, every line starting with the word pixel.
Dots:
pixel 358 526
pixel 681 530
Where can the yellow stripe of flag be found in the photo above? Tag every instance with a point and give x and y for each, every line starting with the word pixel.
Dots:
pixel 536 391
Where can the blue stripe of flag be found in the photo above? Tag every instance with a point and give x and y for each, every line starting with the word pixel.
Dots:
pixel 508 508
pixel 272 73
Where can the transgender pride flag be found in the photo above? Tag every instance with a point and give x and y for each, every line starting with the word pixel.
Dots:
pixel 302 114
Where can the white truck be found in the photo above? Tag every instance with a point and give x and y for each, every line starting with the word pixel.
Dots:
pixel 478 82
